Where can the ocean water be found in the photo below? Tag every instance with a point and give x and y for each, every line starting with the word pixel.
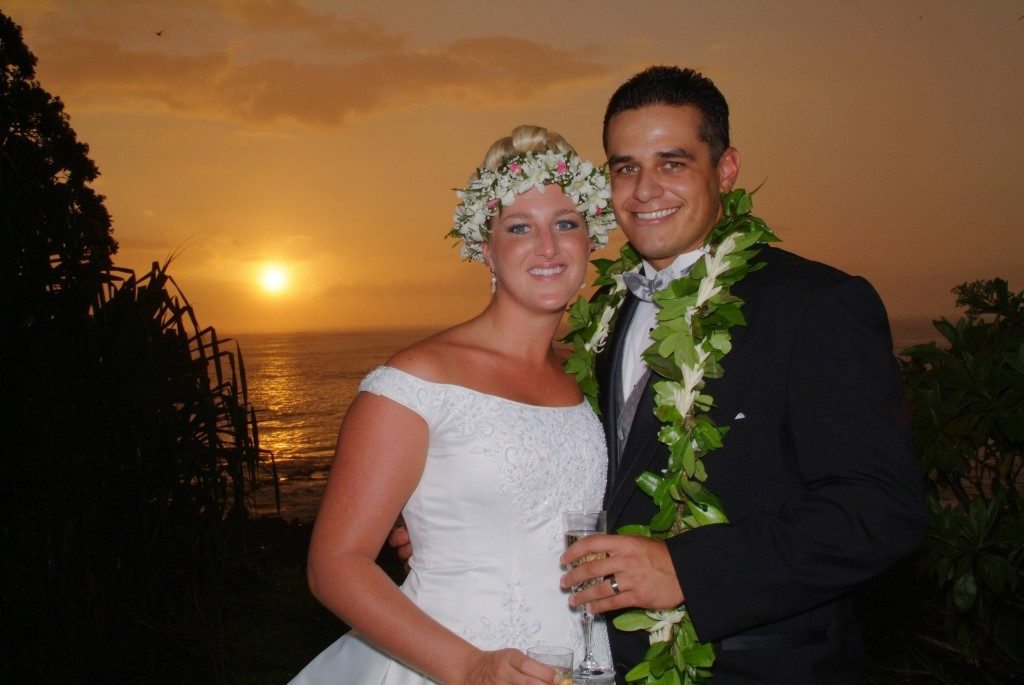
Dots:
pixel 301 384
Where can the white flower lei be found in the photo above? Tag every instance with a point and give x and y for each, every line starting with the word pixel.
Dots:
pixel 586 185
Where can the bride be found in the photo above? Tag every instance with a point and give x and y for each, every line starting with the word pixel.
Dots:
pixel 480 440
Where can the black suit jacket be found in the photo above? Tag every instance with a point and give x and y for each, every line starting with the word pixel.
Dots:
pixel 816 475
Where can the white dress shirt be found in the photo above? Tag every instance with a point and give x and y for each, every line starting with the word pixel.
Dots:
pixel 638 337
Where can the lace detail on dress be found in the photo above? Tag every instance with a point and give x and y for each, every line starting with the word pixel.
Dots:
pixel 539 451
pixel 539 459
pixel 517 628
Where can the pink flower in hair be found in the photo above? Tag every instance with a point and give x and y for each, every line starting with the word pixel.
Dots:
pixel 491 203
pixel 561 167
pixel 513 168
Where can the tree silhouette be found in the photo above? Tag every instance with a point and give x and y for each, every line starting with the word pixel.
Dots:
pixel 129 448
pixel 57 235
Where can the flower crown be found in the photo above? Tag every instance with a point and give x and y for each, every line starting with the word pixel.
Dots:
pixel 586 185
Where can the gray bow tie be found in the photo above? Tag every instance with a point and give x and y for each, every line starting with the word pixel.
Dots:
pixel 644 288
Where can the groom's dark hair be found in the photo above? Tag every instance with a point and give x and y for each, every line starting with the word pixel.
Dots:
pixel 663 85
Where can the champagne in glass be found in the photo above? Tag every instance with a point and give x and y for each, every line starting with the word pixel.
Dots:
pixel 578 525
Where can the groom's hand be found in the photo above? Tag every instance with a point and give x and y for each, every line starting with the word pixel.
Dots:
pixel 399 540
pixel 642 569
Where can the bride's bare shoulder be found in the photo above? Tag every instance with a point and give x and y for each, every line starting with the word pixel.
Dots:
pixel 434 357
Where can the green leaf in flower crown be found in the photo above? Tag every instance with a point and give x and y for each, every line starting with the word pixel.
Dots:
pixel 635 619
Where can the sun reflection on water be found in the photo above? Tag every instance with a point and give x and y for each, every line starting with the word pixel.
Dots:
pixel 301 384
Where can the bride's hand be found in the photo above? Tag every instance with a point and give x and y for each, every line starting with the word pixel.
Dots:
pixel 508 667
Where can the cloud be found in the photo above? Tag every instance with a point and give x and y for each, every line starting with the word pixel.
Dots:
pixel 339 34
pixel 313 86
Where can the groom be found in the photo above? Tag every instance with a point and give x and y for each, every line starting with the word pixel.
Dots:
pixel 816 472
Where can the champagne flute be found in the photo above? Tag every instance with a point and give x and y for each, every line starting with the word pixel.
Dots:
pixel 578 525
pixel 558 658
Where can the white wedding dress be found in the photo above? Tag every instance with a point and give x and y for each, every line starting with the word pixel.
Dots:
pixel 486 525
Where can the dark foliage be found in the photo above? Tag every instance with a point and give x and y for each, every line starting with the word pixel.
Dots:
pixel 955 612
pixel 54 228
pixel 129 446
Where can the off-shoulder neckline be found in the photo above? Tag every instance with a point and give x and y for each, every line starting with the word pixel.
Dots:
pixel 582 402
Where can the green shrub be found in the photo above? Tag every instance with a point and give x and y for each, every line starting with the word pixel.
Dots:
pixel 958 606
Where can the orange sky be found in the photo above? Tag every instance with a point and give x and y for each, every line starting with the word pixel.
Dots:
pixel 326 137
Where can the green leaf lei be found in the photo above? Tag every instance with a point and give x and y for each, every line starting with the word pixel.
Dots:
pixel 695 313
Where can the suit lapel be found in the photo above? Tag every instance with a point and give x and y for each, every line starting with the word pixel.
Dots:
pixel 640 448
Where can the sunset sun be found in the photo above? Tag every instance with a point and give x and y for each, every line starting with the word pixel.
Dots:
pixel 274 278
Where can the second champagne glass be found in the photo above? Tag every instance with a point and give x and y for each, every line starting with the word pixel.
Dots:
pixel 578 525
pixel 559 658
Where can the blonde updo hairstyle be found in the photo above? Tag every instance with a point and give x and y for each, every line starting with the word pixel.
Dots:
pixel 524 138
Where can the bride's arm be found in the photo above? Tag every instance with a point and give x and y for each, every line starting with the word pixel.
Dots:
pixel 378 462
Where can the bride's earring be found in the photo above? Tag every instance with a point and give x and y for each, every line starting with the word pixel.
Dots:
pixel 494 282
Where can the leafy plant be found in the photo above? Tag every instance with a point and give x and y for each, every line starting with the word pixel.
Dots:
pixel 967 414
pixel 129 447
